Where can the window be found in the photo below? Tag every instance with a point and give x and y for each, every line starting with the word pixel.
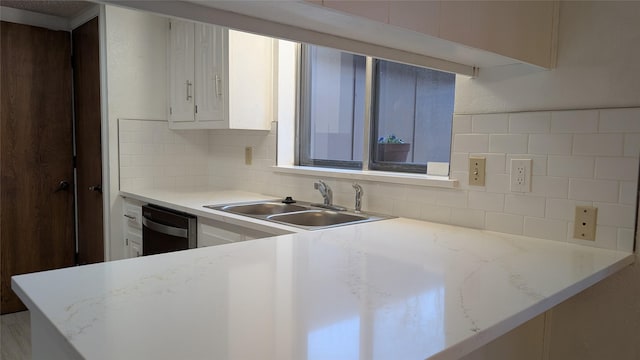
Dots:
pixel 409 122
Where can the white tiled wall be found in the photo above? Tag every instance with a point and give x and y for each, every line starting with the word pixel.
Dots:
pixel 152 156
pixel 586 157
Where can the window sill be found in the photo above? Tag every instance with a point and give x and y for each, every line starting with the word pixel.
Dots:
pixel 369 175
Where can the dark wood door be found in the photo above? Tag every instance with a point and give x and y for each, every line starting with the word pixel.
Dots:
pixel 86 85
pixel 36 212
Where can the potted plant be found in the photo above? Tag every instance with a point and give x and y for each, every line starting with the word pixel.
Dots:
pixel 392 148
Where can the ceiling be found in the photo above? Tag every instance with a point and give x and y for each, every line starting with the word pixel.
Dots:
pixel 65 9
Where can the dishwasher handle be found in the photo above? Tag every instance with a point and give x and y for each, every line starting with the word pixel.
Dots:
pixel 165 229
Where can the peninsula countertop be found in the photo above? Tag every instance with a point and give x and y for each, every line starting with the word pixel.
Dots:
pixel 392 289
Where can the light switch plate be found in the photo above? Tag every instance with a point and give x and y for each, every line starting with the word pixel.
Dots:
pixel 585 223
pixel 477 166
pixel 521 175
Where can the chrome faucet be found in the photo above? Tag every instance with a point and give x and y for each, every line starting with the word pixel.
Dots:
pixel 325 191
pixel 359 193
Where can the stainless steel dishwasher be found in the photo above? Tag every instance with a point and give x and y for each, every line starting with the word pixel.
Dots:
pixel 165 230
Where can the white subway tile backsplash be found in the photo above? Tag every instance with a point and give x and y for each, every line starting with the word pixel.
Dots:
pixel 495 163
pixel 481 200
pixel 435 213
pixel 606 237
pixel 461 124
pixel 620 120
pixel 471 143
pixel 508 143
pixel 616 215
pixel 459 162
pixel 550 187
pixel 545 228
pixel 632 145
pixel 593 190
pixel 468 218
pixel 490 123
pixel 130 148
pixel 497 183
pixel 628 192
pixel 530 122
pixel 409 209
pixel 616 168
pixel 524 205
pixel 571 166
pixel 452 198
pixel 579 121
pixel 557 144
pixel 598 144
pixel 625 239
pixel 579 158
pixel 560 209
pixel 507 223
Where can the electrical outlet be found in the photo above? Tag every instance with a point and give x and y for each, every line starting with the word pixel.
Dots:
pixel 477 171
pixel 585 223
pixel 521 175
pixel 248 155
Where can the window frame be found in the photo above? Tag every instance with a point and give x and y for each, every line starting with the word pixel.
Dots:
pixel 370 128
pixel 303 128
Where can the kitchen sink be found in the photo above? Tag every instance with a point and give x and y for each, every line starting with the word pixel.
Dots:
pixel 301 214
pixel 317 218
pixel 263 208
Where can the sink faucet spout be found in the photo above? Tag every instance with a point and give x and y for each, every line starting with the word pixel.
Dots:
pixel 359 193
pixel 325 191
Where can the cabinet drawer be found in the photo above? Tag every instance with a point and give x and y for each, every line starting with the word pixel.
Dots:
pixel 134 243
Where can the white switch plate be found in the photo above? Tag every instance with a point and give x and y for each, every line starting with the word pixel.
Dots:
pixel 521 175
pixel 477 167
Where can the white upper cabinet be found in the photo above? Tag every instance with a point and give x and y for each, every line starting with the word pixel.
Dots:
pixel 210 73
pixel 219 78
pixel 181 71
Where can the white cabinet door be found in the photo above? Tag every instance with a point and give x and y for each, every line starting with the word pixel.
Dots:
pixel 134 243
pixel 181 71
pixel 251 87
pixel 213 232
pixel 210 73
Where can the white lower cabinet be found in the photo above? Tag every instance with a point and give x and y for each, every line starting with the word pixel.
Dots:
pixel 213 232
pixel 132 227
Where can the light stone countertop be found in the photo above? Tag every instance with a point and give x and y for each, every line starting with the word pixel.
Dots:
pixel 392 289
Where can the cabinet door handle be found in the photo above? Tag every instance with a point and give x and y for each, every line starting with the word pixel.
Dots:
pixel 218 80
pixel 129 217
pixel 189 84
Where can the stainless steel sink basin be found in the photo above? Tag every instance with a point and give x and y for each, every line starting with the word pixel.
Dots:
pixel 317 218
pixel 264 208
pixel 301 214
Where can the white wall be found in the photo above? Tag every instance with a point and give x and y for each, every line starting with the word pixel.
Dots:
pixel 136 89
pixel 598 56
